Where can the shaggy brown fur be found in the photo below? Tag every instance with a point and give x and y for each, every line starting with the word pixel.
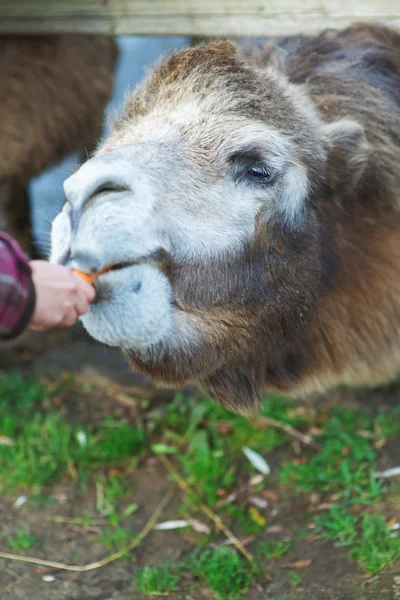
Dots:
pixel 53 92
pixel 315 303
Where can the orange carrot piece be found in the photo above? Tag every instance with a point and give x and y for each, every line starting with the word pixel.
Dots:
pixel 90 277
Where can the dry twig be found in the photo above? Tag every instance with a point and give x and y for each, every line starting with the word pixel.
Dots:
pixel 76 520
pixel 302 437
pixel 104 561
pixel 206 509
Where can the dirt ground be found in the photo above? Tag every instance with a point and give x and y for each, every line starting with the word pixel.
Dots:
pixel 330 576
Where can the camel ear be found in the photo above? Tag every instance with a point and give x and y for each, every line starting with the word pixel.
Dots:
pixel 236 389
pixel 348 153
pixel 269 55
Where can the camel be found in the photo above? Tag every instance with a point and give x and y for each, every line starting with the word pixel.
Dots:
pixel 244 213
pixel 54 90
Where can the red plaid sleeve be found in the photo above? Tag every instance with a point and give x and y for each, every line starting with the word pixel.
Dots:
pixel 17 295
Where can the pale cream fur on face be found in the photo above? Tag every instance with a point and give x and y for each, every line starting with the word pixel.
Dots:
pixel 181 196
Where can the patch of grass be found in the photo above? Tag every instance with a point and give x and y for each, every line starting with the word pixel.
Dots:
pixel 211 440
pixel 114 440
pixel 344 468
pixel 158 580
pixel 222 570
pixel 206 465
pixel 111 491
pixel 295 579
pixel 242 517
pixel 345 463
pixel 22 396
pixel 369 539
pixel 21 541
pixel 226 574
pixel 44 444
pixel 271 550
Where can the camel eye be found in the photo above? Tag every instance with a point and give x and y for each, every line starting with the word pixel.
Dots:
pixel 261 173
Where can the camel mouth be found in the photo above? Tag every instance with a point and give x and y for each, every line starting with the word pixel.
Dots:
pixel 117 267
pixel 160 259
pixel 91 278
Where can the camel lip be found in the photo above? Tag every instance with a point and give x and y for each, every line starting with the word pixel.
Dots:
pixel 159 259
pixel 150 259
pixel 119 266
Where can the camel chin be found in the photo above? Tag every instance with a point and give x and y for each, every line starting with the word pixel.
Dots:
pixel 132 308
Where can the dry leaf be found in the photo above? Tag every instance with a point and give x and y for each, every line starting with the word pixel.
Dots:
pixel 81 438
pixel 388 473
pixel 299 564
pixel 325 506
pixel 274 529
pixel 6 441
pixel 270 495
pixel 43 570
pixel 257 517
pixel 199 526
pixel 244 541
pixel 301 460
pixel 20 501
pixel 257 461
pixel 166 525
pixel 256 480
pixel 258 501
pixel 315 431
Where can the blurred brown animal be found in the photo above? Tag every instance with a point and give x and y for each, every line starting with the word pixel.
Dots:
pixel 53 92
pixel 249 206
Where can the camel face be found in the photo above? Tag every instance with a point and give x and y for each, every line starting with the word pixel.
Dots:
pixel 222 207
pixel 172 195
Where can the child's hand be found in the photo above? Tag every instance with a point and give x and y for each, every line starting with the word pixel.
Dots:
pixel 61 296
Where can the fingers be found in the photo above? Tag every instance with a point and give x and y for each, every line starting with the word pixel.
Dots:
pixel 61 297
pixel 85 288
pixel 69 319
pixel 83 294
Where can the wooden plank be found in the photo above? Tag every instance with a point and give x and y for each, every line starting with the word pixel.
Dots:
pixel 191 17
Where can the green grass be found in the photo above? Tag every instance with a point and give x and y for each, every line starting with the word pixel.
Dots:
pixel 368 539
pixel 345 463
pixel 205 441
pixel 44 444
pixel 345 467
pixel 21 541
pixel 158 580
pixel 273 549
pixel 295 579
pixel 212 440
pixel 222 570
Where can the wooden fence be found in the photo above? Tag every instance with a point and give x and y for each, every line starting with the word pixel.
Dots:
pixel 191 17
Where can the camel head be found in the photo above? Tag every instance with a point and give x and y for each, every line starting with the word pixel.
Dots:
pixel 202 205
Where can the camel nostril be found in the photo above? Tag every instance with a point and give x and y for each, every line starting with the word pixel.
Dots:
pixel 108 187
pixel 75 215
